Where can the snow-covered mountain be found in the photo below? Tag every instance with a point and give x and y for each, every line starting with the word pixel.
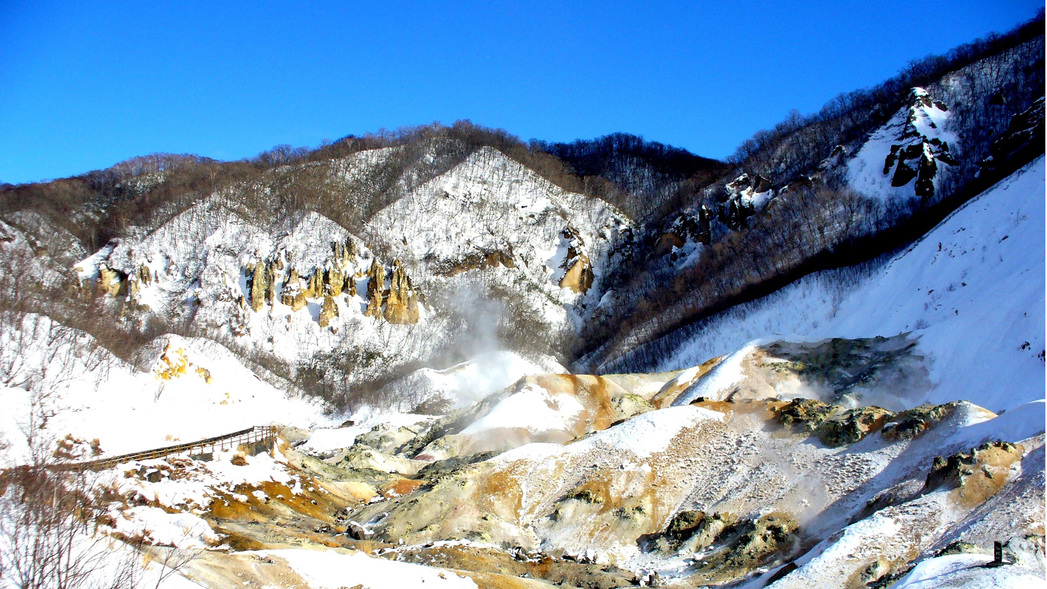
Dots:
pixel 819 369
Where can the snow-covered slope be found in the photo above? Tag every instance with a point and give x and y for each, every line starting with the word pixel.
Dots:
pixel 912 146
pixel 182 390
pixel 970 293
pixel 305 293
pixel 490 211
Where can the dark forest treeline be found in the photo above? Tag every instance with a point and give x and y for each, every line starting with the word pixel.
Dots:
pixel 146 191
pixel 644 179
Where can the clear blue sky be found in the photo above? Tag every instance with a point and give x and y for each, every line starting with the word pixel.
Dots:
pixel 84 85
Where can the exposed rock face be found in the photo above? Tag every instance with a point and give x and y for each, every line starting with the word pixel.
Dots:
pixel 1023 139
pixel 691 227
pixel 688 531
pixel 804 414
pixel 335 278
pixel 112 282
pixel 743 197
pixel 334 282
pixel 579 275
pixel 260 285
pixel 375 286
pixel 834 425
pixel 328 311
pixel 578 271
pixel 479 260
pixel 852 425
pixel 401 306
pixel 913 422
pixel 704 226
pixel 749 544
pixel 667 243
pixel 976 475
pixel 139 279
pixel 916 155
pixel 291 288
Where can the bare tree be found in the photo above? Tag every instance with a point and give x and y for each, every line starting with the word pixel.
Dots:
pixel 47 535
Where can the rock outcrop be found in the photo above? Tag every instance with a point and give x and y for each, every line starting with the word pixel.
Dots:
pixel 578 270
pixel 975 475
pixel 919 149
pixel 375 286
pixel 327 283
pixel 111 281
pixel 479 260
pixel 1022 141
pixel 260 284
pixel 401 306
pixel 328 311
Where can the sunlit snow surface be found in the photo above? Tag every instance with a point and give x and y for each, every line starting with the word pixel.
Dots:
pixel 971 292
pixel 130 409
pixel 331 569
pixel 865 171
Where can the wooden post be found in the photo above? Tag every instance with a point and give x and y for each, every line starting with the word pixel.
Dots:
pixel 997 553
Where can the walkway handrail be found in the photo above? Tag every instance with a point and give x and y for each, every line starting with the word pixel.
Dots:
pixel 258 433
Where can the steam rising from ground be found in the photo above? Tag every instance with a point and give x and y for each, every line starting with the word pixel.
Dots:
pixel 476 364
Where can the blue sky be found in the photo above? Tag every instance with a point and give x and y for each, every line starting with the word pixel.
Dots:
pixel 84 86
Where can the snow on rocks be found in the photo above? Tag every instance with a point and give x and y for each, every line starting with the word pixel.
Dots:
pixel 162 500
pixel 908 147
pixel 970 293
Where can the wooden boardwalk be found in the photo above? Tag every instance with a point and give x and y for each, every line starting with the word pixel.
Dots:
pixel 265 434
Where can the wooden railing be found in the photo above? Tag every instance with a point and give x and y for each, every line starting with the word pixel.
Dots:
pixel 257 434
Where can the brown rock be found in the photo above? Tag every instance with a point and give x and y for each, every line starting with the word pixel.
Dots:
pixel 299 301
pixel 976 475
pixel 334 282
pixel 258 287
pixel 401 306
pixel 292 287
pixel 666 243
pixel 328 311
pixel 579 277
pixel 112 282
